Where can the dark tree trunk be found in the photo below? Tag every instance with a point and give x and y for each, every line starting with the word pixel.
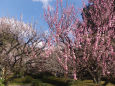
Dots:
pixel 96 77
pixel 5 83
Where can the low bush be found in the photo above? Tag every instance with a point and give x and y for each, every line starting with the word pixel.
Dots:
pixel 1 82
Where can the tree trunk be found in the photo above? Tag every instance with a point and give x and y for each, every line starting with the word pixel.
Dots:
pixel 96 77
pixel 65 75
pixel 99 77
pixel 6 83
pixel 74 74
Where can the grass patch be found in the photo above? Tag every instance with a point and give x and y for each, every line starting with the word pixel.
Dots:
pixel 37 82
pixel 88 83
pixel 1 82
pixel 23 80
pixel 54 81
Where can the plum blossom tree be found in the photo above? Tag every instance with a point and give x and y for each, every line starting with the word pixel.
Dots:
pixel 93 38
pixel 19 45
pixel 99 33
pixel 60 23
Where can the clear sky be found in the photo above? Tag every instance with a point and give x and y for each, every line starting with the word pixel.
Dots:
pixel 32 10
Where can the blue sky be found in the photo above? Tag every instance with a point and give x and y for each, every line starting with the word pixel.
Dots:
pixel 32 10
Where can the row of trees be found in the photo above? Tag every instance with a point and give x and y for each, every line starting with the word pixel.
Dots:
pixel 87 45
pixel 72 48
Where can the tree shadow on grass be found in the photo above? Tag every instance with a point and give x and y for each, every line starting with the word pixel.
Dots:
pixel 112 81
pixel 54 82
pixel 49 78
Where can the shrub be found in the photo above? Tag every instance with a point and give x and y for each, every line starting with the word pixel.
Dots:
pixel 1 82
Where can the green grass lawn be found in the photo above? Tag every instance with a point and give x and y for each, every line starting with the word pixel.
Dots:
pixel 52 81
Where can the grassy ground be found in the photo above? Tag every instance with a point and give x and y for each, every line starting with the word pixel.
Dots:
pixel 52 81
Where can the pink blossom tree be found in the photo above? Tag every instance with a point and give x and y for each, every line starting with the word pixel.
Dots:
pixel 60 23
pixel 99 33
pixel 93 37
